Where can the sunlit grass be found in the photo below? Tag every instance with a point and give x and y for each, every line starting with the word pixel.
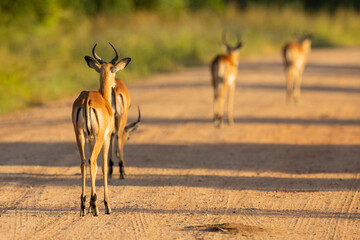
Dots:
pixel 45 62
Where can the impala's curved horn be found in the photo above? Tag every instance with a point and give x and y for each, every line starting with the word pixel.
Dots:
pixel 99 59
pixel 224 39
pixel 238 38
pixel 133 126
pixel 116 57
pixel 239 42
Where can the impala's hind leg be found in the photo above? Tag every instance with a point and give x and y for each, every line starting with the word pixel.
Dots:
pixel 218 84
pixel 81 145
pixel 217 117
pixel 221 104
pixel 289 84
pixel 121 143
pixel 219 101
pixel 120 148
pixel 111 162
pixel 105 171
pixel 231 103
pixel 297 86
pixel 93 170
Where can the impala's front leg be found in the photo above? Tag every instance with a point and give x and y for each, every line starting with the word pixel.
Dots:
pixel 105 170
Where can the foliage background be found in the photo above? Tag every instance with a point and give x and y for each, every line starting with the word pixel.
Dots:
pixel 43 42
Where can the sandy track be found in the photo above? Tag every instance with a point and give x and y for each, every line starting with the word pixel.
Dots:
pixel 283 171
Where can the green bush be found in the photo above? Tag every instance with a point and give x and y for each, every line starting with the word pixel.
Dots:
pixel 43 58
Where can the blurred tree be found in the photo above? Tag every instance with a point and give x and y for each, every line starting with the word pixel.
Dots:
pixel 216 5
pixel 331 5
pixel 43 10
pixel 309 5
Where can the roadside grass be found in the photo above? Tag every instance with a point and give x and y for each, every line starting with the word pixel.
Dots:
pixel 44 62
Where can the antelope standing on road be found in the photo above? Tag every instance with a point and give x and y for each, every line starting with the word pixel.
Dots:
pixel 93 121
pixel 224 70
pixel 295 54
pixel 121 102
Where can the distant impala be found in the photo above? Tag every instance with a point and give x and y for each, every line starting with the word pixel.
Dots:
pixel 224 70
pixel 295 54
pixel 121 102
pixel 93 121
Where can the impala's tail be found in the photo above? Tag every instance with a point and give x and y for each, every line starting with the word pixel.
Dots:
pixel 286 59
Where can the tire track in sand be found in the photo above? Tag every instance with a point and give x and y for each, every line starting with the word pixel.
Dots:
pixel 345 206
pixel 15 212
pixel 303 221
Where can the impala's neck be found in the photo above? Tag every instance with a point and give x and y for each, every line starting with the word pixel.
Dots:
pixel 306 45
pixel 234 56
pixel 106 84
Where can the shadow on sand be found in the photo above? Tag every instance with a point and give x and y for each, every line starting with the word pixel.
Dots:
pixel 295 159
pixel 257 120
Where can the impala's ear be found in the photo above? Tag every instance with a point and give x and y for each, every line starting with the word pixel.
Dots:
pixel 121 64
pixel 92 63
pixel 238 46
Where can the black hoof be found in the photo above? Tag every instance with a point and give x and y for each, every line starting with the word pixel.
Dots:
pixel 93 205
pixel 218 121
pixel 230 122
pixel 107 210
pixel 218 124
pixel 82 213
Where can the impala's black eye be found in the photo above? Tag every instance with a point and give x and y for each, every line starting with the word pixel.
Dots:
pixel 113 69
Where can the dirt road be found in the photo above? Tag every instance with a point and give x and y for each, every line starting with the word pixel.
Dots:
pixel 281 172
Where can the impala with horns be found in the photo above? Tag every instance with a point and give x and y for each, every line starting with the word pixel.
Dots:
pixel 93 121
pixel 295 56
pixel 224 70
pixel 121 102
